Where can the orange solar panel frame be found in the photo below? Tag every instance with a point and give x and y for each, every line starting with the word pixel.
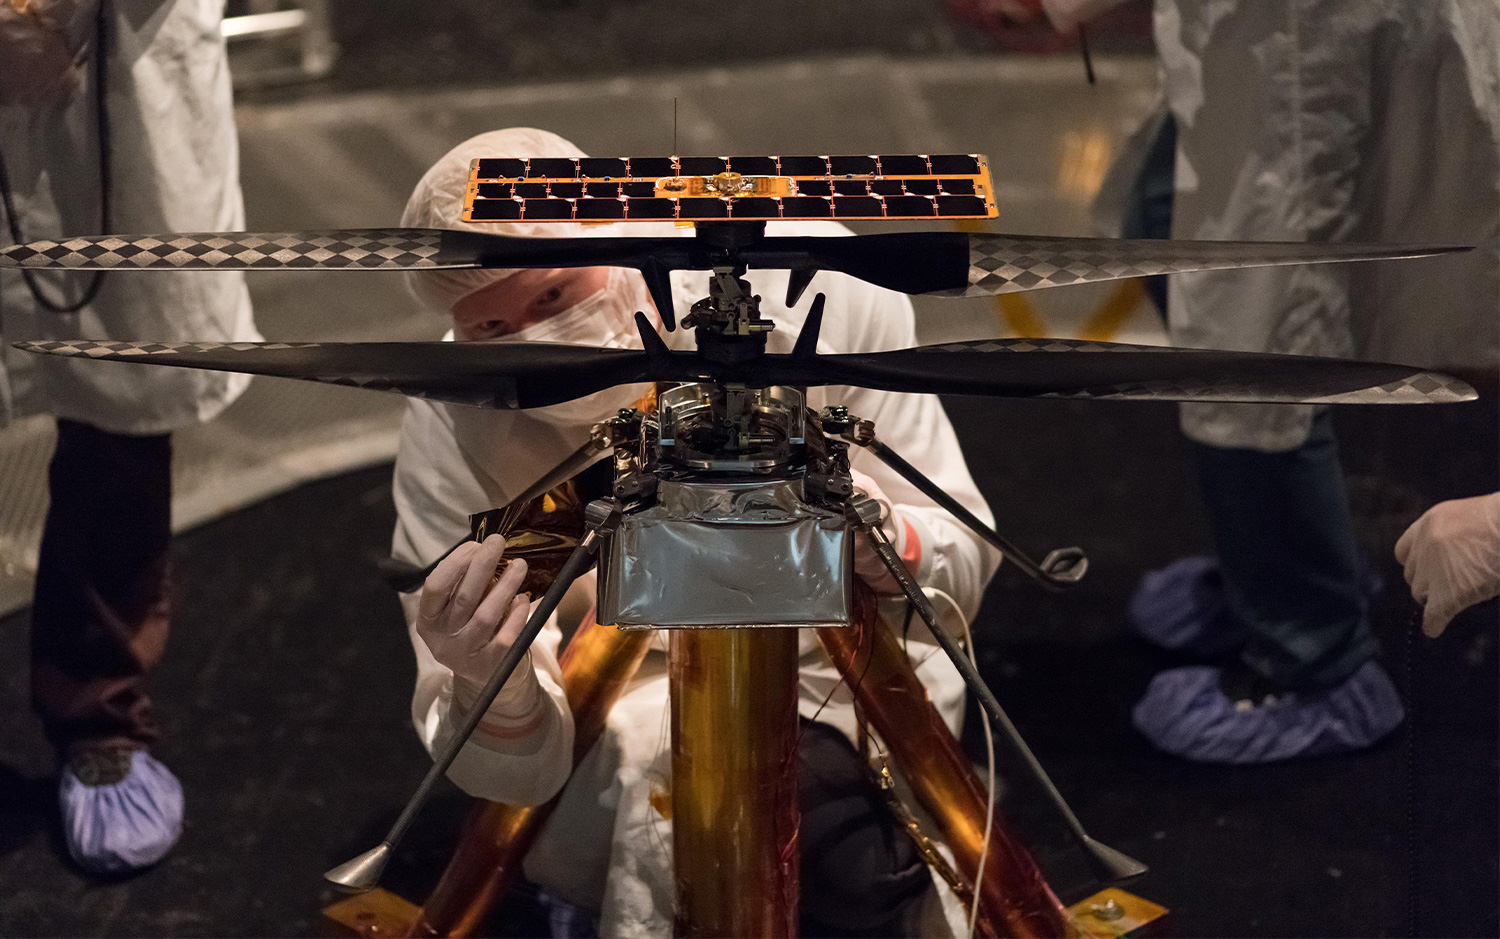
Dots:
pixel 694 189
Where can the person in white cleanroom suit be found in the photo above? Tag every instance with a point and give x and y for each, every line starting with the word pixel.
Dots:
pixel 102 602
pixel 606 849
pixel 1306 120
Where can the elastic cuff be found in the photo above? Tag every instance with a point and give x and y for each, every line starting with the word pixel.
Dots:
pixel 518 697
pixel 914 539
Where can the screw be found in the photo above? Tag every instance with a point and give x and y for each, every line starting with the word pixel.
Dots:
pixel 1109 910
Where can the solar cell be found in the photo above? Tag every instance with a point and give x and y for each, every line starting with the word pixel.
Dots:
pixel 651 166
pixel 752 207
pixel 853 165
pixel 702 166
pixel 547 210
pixel 495 210
pixel 597 168
pixel 806 207
pixel 954 165
pixel 754 166
pixel 551 168
pixel 909 207
pixel 501 169
pixel 960 206
pixel 804 166
pixel 703 208
pixel 857 207
pixel 903 165
pixel 651 208
pixel 601 209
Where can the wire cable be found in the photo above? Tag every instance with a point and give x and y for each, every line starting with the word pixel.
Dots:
pixel 989 815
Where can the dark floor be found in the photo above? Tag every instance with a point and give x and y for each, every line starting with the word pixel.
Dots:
pixel 285 700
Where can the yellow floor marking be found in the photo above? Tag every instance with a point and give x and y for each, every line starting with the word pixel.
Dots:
pixel 1018 315
pixel 1114 312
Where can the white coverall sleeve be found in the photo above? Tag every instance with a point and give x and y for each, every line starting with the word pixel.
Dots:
pixel 949 560
pixel 522 752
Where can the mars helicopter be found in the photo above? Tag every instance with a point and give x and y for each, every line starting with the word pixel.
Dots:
pixel 728 452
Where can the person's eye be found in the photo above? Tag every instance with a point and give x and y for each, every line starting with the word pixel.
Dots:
pixel 552 295
pixel 491 328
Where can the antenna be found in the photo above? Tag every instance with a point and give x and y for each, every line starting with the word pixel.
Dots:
pixel 674 126
pixel 1083 47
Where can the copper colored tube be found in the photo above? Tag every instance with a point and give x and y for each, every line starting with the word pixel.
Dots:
pixel 596 666
pixel 734 781
pixel 1014 897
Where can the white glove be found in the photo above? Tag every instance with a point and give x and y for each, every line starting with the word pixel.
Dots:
pixel 1452 558
pixel 468 617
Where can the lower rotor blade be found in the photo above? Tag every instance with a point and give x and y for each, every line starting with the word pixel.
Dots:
pixel 479 374
pixel 1073 368
pixel 978 265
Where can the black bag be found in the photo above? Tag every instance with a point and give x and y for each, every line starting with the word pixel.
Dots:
pixel 860 870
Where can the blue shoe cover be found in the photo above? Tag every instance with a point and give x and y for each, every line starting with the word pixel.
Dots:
pixel 1181 607
pixel 119 828
pixel 1184 712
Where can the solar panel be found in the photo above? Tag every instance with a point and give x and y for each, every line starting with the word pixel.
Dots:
pixel 688 189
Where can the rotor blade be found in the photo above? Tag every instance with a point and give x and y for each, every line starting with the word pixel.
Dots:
pixel 1074 368
pixel 535 374
pixel 480 374
pixel 957 265
pixel 388 249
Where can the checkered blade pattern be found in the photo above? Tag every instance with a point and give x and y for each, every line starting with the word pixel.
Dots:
pixel 363 249
pixel 1076 368
pixel 1010 263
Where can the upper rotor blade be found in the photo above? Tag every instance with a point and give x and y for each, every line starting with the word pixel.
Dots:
pixel 480 374
pixel 939 263
pixel 958 265
pixel 1073 368
pixel 398 249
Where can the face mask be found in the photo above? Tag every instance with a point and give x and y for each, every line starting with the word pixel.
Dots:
pixel 605 318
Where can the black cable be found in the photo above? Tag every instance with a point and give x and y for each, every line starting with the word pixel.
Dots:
pixel 1083 47
pixel 101 117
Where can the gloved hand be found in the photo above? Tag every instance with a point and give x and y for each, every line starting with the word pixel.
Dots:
pixel 867 563
pixel 469 617
pixel 1452 558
